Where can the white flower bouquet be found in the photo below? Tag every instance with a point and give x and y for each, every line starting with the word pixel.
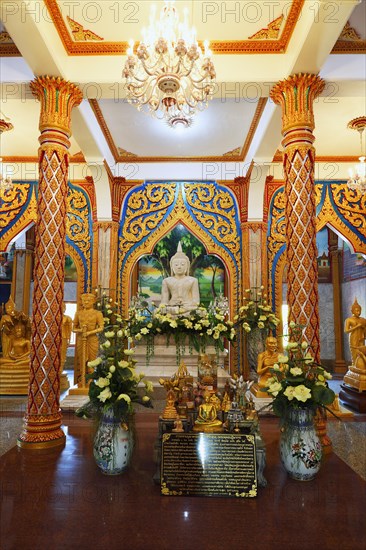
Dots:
pixel 297 381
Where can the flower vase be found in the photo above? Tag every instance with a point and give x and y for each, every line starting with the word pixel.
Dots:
pixel 113 443
pixel 300 447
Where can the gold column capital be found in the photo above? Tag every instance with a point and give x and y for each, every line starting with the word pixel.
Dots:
pixel 296 96
pixel 57 97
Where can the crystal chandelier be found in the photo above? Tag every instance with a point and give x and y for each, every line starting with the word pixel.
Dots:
pixel 5 181
pixel 357 179
pixel 169 76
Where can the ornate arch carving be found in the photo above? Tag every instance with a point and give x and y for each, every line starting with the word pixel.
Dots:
pixel 337 206
pixel 153 209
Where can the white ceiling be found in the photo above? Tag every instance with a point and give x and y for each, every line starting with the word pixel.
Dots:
pixel 242 79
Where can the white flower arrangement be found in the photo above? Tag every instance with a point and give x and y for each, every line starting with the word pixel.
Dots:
pixel 297 381
pixel 202 327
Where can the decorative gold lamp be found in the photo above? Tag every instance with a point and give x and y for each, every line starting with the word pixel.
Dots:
pixel 169 75
pixel 357 179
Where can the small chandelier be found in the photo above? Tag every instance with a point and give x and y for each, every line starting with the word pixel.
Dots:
pixel 5 181
pixel 357 179
pixel 169 76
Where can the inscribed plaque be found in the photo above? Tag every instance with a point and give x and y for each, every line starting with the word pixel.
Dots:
pixel 222 465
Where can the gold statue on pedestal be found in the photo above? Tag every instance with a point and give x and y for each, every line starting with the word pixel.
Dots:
pixel 207 420
pixel 88 322
pixel 15 340
pixel 266 360
pixel 355 326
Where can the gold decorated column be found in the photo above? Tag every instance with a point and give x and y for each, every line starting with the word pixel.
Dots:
pixel 43 419
pixel 296 96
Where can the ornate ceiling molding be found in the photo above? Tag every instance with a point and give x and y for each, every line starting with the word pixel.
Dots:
pixel 118 157
pixel 250 46
pixel 7 46
pixel 79 34
pixel 269 33
pixel 349 41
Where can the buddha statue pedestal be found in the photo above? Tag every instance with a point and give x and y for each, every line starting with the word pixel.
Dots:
pixel 14 377
pixel 163 362
pixel 262 400
pixel 356 378
pixel 353 390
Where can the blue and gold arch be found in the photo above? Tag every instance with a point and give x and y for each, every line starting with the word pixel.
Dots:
pixel 18 211
pixel 208 210
pixel 337 206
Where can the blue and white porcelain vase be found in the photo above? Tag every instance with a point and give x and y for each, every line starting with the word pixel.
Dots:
pixel 113 443
pixel 300 447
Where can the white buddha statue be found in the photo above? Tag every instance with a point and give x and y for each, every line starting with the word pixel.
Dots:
pixel 180 292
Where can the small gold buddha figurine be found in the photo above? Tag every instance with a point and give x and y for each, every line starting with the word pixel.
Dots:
pixel 170 412
pixel 207 420
pixel 178 426
pixel 250 412
pixel 226 403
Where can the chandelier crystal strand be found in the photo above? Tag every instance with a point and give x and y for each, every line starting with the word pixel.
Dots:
pixel 169 76
pixel 5 181
pixel 357 179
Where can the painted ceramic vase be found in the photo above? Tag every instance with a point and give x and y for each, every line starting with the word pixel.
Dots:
pixel 300 447
pixel 113 444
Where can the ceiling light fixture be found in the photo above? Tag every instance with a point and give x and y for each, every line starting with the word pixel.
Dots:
pixel 5 181
pixel 169 76
pixel 357 179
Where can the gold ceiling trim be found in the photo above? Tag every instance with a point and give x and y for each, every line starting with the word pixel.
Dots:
pixel 7 46
pixel 78 158
pixel 270 32
pixel 225 47
pixel 349 33
pixel 79 34
pixel 349 41
pixel 232 153
pixel 218 158
pixel 278 157
pixel 124 153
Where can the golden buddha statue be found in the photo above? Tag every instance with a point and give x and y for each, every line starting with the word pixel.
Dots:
pixel 170 412
pixel 355 326
pixel 207 420
pixel 14 367
pixel 88 322
pixel 266 360
pixel 8 322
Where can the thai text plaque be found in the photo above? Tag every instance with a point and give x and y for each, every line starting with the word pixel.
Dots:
pixel 220 465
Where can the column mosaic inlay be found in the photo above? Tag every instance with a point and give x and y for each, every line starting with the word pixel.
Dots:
pixel 43 418
pixel 296 96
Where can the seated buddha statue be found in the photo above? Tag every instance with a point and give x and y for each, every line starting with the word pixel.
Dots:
pixel 18 354
pixel 180 292
pixel 207 420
